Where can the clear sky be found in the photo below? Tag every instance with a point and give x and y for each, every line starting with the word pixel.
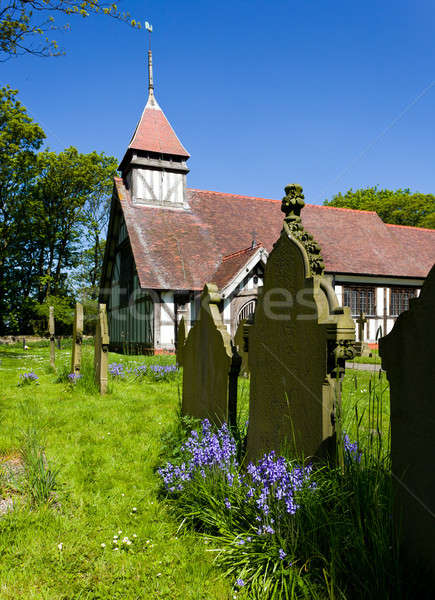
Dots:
pixel 328 94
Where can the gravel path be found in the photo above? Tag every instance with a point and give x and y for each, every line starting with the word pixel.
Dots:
pixel 363 366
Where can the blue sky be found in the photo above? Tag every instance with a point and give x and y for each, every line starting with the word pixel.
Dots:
pixel 328 94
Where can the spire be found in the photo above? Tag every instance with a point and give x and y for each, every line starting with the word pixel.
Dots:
pixel 149 28
pixel 150 73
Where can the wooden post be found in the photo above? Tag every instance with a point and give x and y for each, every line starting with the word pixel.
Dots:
pixel 52 339
pixel 77 339
pixel 101 349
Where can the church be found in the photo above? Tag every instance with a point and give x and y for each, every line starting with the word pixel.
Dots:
pixel 166 240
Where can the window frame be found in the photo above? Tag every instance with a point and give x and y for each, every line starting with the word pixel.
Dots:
pixel 361 305
pixel 405 294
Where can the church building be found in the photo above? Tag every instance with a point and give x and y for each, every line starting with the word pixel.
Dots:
pixel 165 241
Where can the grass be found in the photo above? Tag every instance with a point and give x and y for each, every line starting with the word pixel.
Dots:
pixel 88 462
pixel 103 451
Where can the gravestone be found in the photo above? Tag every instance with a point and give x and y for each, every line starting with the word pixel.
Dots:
pixel 77 339
pixel 298 345
pixel 52 338
pixel 101 349
pixel 408 356
pixel 211 365
pixel 361 347
pixel 241 344
pixel 181 341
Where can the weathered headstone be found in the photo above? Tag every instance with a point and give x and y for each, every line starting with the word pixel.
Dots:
pixel 361 347
pixel 77 339
pixel 181 341
pixel 101 349
pixel 408 356
pixel 241 344
pixel 298 345
pixel 210 364
pixel 52 339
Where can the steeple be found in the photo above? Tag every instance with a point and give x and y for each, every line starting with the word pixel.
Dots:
pixel 154 166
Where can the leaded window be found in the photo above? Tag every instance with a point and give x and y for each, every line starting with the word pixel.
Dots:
pixel 361 299
pixel 399 300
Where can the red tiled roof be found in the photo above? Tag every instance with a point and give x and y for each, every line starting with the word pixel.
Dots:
pixel 153 133
pixel 231 265
pixel 178 249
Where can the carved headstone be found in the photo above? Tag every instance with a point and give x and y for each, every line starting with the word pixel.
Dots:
pixel 181 341
pixel 101 349
pixel 77 339
pixel 241 344
pixel 407 354
pixel 298 345
pixel 52 338
pixel 208 361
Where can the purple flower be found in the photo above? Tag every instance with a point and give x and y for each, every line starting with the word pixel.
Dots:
pixel 240 582
pixel 282 554
pixel 74 377
pixel 30 377
pixel 227 503
pixel 351 450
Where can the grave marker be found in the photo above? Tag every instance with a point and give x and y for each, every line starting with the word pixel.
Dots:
pixel 361 347
pixel 181 341
pixel 77 339
pixel 101 349
pixel 241 344
pixel 52 338
pixel 407 354
pixel 298 345
pixel 208 361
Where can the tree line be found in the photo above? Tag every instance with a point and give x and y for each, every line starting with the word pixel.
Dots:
pixel 54 210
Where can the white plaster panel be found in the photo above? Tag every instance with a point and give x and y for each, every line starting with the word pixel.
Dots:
pixel 167 330
pixel 380 301
pixel 227 314
pixel 339 293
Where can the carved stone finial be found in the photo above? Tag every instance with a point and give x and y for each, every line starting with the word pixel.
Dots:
pixel 293 202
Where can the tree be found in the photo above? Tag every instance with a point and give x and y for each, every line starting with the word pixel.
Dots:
pixel 69 206
pixel 25 25
pixel 400 207
pixel 53 214
pixel 20 138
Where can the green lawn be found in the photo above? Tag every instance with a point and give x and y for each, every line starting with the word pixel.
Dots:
pixel 107 449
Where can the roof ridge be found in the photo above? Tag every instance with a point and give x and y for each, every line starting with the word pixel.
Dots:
pixel 410 227
pixel 358 210
pixel 234 195
pixel 239 252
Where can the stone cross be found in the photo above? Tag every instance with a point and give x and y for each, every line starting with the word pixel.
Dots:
pixel 298 345
pixel 407 354
pixel 77 339
pixel 362 320
pixel 181 341
pixel 101 350
pixel 52 338
pixel 211 365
